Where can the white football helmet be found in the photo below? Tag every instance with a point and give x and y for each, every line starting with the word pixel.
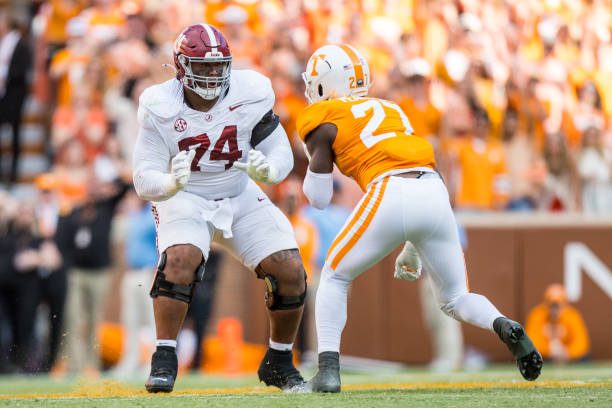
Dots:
pixel 335 71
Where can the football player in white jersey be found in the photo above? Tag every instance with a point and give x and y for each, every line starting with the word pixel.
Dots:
pixel 205 137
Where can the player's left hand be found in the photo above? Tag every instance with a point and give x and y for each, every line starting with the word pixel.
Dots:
pixel 258 168
pixel 408 264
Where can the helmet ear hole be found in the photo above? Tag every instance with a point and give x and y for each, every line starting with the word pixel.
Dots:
pixel 320 90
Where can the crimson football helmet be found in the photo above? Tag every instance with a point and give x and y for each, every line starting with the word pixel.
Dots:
pixel 203 60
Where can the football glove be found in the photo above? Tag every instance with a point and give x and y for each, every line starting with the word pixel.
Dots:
pixel 180 170
pixel 258 168
pixel 408 264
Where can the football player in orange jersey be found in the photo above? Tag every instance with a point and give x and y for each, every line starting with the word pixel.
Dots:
pixel 405 199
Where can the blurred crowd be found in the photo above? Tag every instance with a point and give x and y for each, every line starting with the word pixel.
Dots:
pixel 516 97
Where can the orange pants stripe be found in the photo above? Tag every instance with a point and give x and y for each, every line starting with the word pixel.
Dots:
pixel 351 221
pixel 355 237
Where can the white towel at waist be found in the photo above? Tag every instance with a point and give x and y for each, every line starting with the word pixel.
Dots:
pixel 220 215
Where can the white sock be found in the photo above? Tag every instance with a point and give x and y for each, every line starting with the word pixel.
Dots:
pixel 165 343
pixel 281 346
pixel 330 312
pixel 474 309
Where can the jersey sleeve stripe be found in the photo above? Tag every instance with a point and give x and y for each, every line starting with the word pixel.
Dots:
pixel 356 63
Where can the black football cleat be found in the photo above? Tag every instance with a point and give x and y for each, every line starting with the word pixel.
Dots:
pixel 164 366
pixel 327 378
pixel 528 359
pixel 277 369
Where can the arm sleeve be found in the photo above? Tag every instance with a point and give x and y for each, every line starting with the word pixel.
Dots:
pixel 151 159
pixel 264 128
pixel 278 152
pixel 318 188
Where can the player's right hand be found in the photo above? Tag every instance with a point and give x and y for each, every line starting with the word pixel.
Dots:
pixel 181 167
pixel 408 264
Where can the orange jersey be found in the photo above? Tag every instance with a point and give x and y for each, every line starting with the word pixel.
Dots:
pixel 569 329
pixel 374 137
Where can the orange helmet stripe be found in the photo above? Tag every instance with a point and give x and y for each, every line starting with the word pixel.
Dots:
pixel 356 64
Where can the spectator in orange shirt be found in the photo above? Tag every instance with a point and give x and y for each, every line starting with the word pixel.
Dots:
pixel 557 329
pixel 82 120
pixel 105 19
pixel 223 13
pixel 70 174
pixel 69 64
pixel 480 165
pixel 58 13
pixel 424 116
pixel 525 166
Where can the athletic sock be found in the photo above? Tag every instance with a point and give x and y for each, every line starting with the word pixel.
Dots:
pixel 330 310
pixel 167 345
pixel 280 357
pixel 280 346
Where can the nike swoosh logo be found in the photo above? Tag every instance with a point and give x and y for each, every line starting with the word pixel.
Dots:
pixel 159 379
pixel 260 199
pixel 231 108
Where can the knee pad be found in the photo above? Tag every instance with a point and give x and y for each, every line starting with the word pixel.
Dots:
pixel 163 287
pixel 274 301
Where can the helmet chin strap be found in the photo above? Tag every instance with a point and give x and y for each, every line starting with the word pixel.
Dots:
pixel 219 93
pixel 204 93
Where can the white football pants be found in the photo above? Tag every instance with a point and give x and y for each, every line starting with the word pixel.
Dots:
pixel 395 210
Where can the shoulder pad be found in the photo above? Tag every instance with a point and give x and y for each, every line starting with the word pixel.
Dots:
pixel 253 88
pixel 162 100
pixel 313 115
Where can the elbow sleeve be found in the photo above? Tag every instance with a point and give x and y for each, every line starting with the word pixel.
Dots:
pixel 318 188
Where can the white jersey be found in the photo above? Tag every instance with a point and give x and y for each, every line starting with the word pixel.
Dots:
pixel 220 136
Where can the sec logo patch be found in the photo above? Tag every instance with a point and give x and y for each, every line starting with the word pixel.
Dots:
pixel 180 125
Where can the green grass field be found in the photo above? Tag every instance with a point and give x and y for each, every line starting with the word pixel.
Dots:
pixel 588 385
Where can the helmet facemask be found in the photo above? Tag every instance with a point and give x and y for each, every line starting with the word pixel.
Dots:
pixel 207 76
pixel 309 88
